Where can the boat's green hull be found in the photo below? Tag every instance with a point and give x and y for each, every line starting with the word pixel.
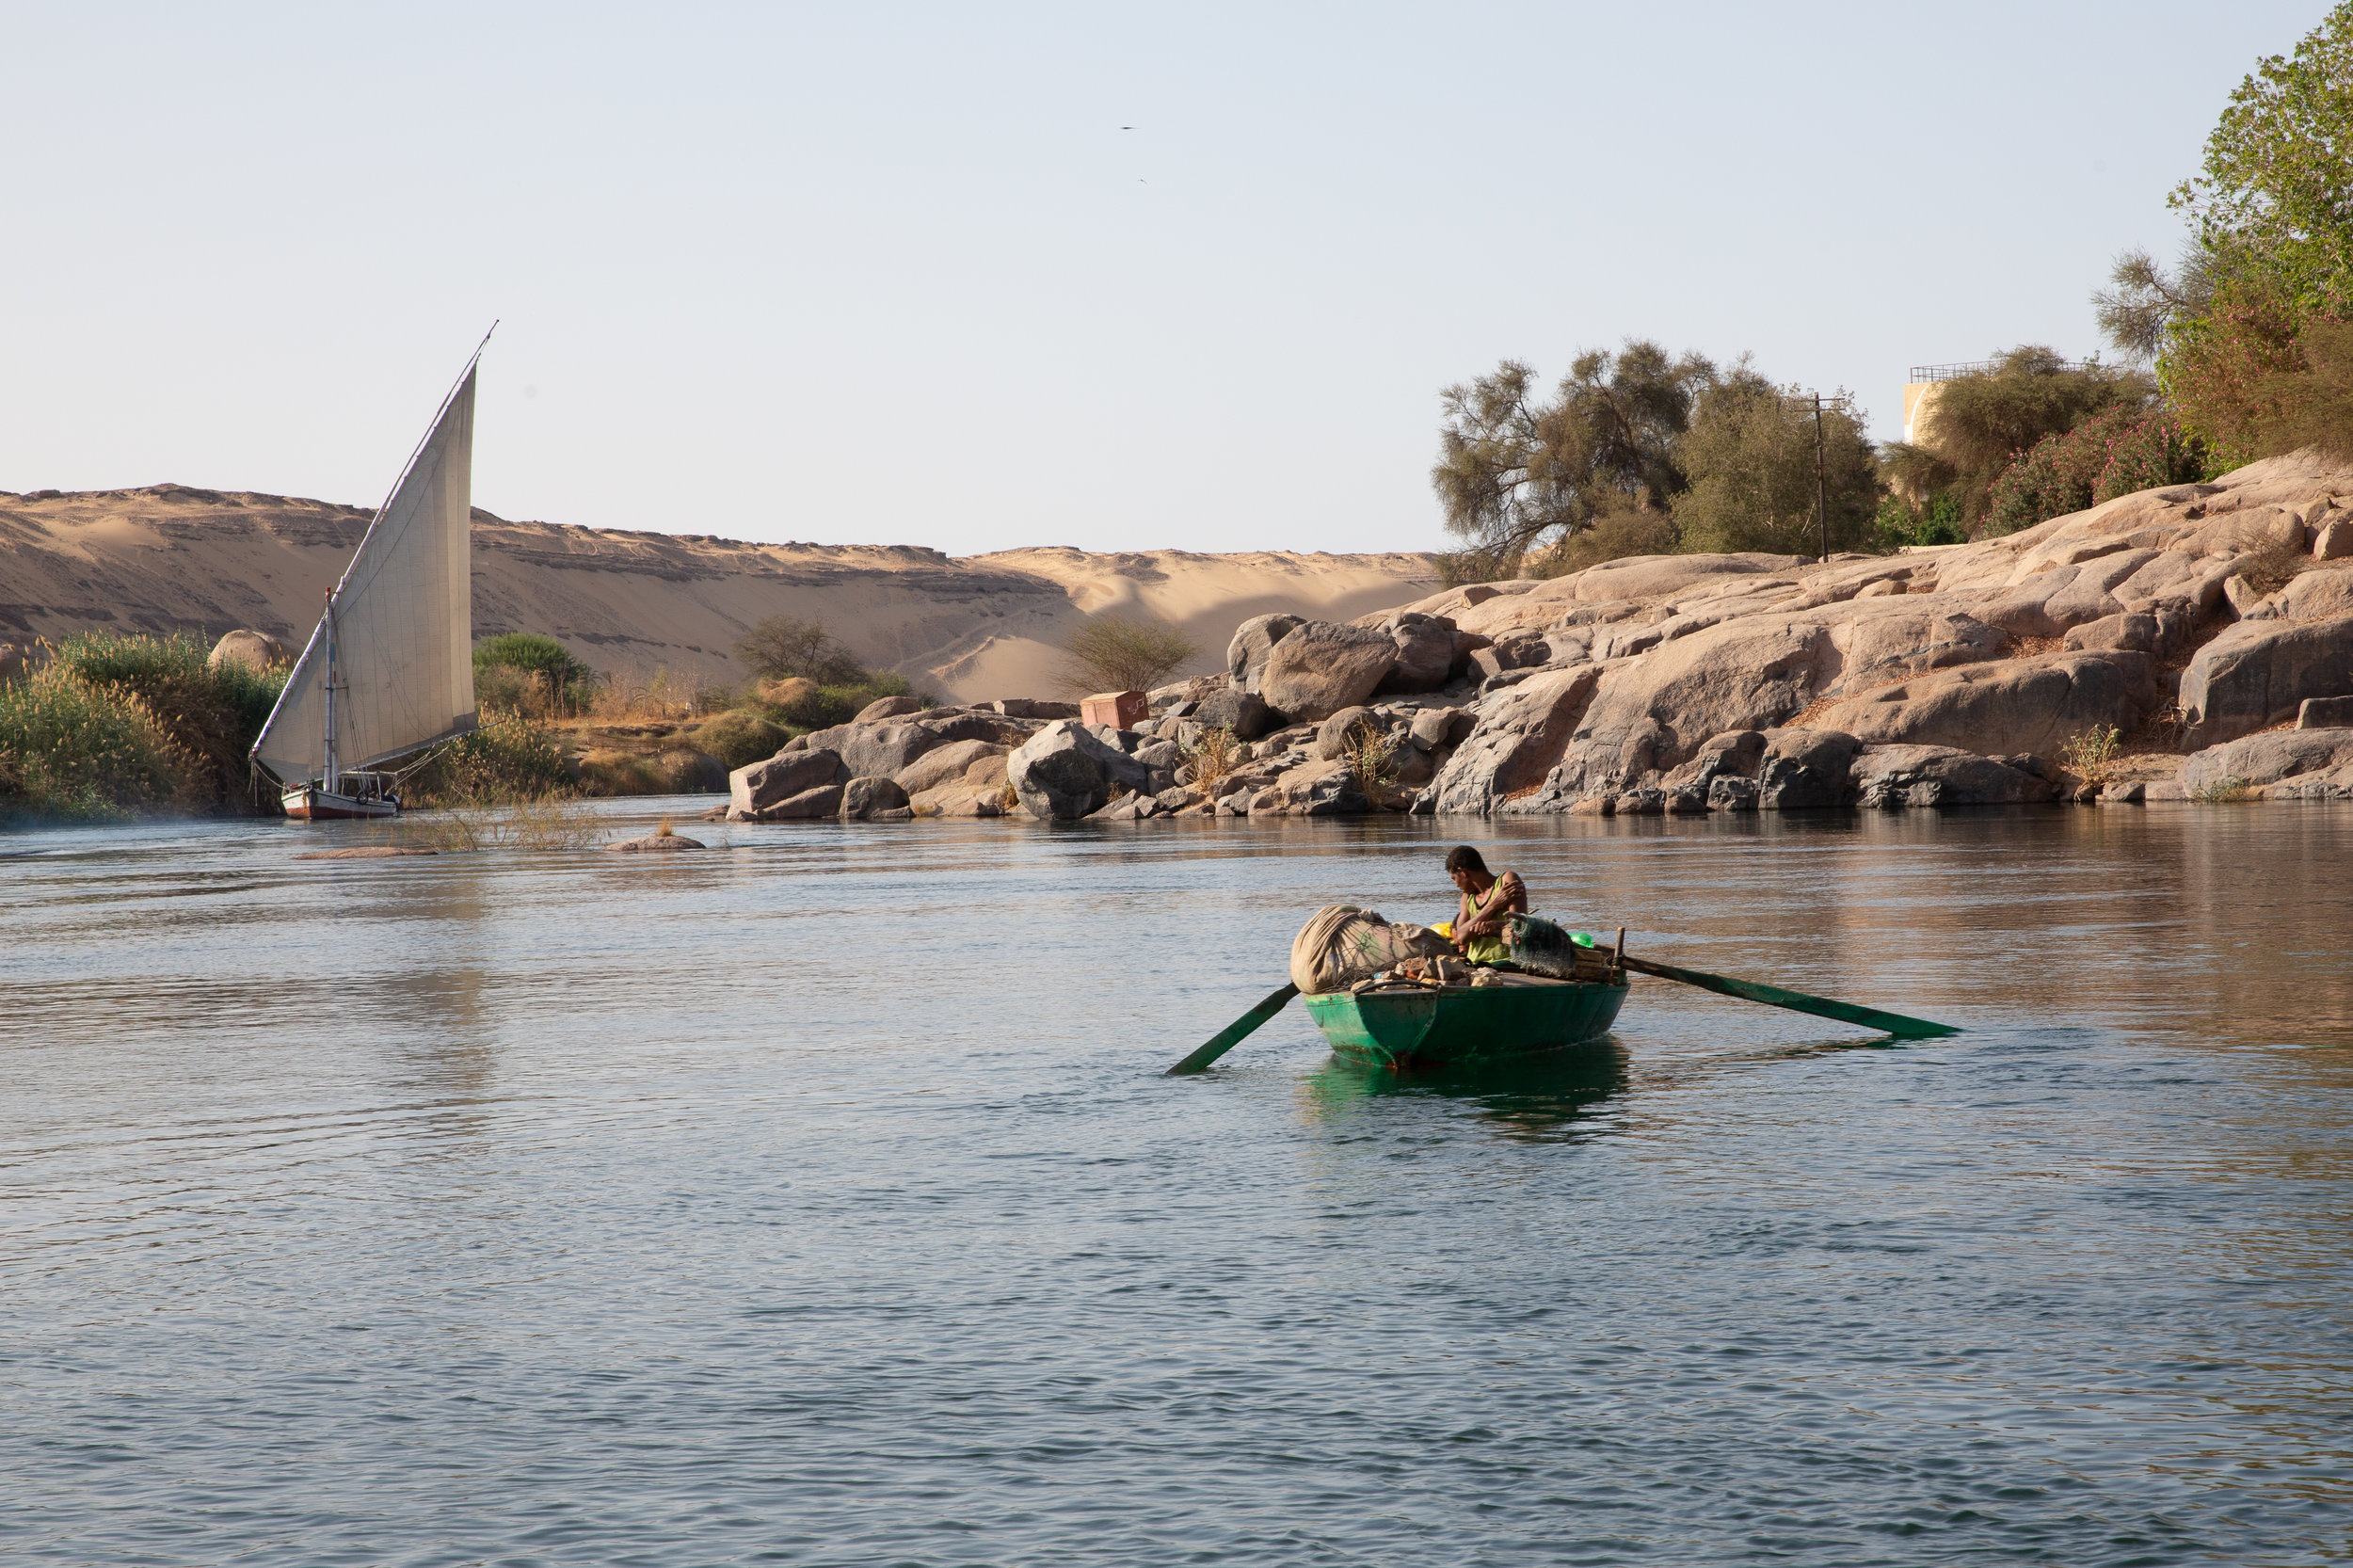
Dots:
pixel 1464 1024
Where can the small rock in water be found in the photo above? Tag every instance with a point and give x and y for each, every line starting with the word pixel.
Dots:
pixel 655 843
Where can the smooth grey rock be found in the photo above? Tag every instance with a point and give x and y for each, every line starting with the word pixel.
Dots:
pixel 945 763
pixel 807 804
pixel 757 786
pixel 2258 674
pixel 1805 768
pixel 886 707
pixel 1323 666
pixel 2004 705
pixel 1519 738
pixel 1253 643
pixel 1425 652
pixel 1064 771
pixel 2325 712
pixel 1896 775
pixel 868 797
pixel 1243 712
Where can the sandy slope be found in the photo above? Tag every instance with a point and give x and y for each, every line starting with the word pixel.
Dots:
pixel 171 558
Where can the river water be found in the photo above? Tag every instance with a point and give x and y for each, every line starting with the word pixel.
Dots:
pixel 817 1200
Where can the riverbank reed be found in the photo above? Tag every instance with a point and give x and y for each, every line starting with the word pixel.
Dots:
pixel 115 725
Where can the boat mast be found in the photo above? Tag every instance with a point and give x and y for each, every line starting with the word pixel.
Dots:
pixel 331 779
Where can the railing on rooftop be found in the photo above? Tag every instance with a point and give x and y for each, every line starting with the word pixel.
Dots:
pixel 1976 367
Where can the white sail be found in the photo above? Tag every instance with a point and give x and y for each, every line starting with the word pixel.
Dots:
pixel 398 632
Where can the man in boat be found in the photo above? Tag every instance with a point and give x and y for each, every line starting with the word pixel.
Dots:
pixel 1488 902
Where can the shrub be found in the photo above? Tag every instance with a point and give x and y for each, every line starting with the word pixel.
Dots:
pixel 528 672
pixel 1214 757
pixel 509 758
pixel 119 723
pixel 738 738
pixel 1899 522
pixel 1369 753
pixel 1117 653
pixel 2109 455
pixel 2222 791
pixel 1631 530
pixel 783 646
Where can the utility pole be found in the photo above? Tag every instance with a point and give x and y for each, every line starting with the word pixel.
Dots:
pixel 1821 483
pixel 1820 406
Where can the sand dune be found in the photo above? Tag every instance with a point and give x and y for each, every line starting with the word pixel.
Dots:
pixel 169 558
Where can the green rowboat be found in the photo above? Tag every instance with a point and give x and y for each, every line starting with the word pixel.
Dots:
pixel 1400 1024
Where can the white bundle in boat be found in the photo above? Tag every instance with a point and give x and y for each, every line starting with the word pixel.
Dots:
pixel 1344 944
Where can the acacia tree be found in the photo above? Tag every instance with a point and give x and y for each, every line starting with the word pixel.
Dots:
pixel 1517 474
pixel 1114 653
pixel 1749 454
pixel 784 646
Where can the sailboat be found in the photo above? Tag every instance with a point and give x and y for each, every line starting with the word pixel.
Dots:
pixel 389 670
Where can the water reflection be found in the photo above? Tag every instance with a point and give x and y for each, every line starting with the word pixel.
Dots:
pixel 1550 1097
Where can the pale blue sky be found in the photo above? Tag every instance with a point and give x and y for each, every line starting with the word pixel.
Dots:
pixel 897 275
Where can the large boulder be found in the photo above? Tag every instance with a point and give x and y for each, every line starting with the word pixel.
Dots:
pixel 863 798
pixel 2292 762
pixel 1243 712
pixel 1520 736
pixel 2257 673
pixel 755 788
pixel 884 749
pixel 2002 706
pixel 942 763
pixel 1323 789
pixel 1064 771
pixel 1253 641
pixel 1651 713
pixel 1895 776
pixel 2317 595
pixel 1323 666
pixel 256 650
pixel 807 806
pixel 1427 652
pixel 887 708
pixel 1805 768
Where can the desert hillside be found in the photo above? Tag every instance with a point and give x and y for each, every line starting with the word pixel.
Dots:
pixel 170 558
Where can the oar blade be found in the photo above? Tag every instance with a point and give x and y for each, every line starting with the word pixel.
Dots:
pixel 1903 1027
pixel 1234 1033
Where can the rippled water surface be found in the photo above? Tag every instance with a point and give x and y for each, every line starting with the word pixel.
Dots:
pixel 816 1199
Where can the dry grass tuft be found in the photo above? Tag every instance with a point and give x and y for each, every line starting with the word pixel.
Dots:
pixel 1370 754
pixel 552 820
pixel 2223 792
pixel 2090 755
pixel 1214 757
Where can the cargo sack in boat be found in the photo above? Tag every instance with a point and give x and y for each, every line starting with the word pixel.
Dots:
pixel 1542 948
pixel 1344 944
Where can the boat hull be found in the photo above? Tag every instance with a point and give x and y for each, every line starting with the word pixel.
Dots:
pixel 312 803
pixel 1465 1024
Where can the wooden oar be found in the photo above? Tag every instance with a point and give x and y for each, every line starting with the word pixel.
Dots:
pixel 1797 1002
pixel 1234 1033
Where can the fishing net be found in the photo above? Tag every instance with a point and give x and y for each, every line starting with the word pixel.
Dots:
pixel 1344 944
pixel 1542 948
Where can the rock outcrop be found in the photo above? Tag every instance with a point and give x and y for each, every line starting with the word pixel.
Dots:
pixel 1676 685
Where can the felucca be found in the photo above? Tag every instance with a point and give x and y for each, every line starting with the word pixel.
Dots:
pixel 389 671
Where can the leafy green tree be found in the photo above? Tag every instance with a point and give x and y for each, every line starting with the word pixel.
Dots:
pixel 528 671
pixel 2272 215
pixel 1517 474
pixel 783 646
pixel 1749 454
pixel 2276 186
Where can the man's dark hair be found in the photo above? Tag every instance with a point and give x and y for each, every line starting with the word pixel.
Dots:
pixel 1461 857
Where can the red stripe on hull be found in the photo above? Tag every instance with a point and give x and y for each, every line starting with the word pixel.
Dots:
pixel 316 804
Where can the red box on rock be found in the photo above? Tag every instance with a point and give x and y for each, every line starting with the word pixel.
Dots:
pixel 1119 710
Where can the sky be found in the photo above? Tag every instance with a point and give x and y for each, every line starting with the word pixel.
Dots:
pixel 975 277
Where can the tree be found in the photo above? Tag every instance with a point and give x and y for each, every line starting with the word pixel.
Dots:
pixel 1750 456
pixel 1980 425
pixel 2272 210
pixel 2276 191
pixel 1517 474
pixel 781 646
pixel 2143 301
pixel 527 669
pixel 1114 654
